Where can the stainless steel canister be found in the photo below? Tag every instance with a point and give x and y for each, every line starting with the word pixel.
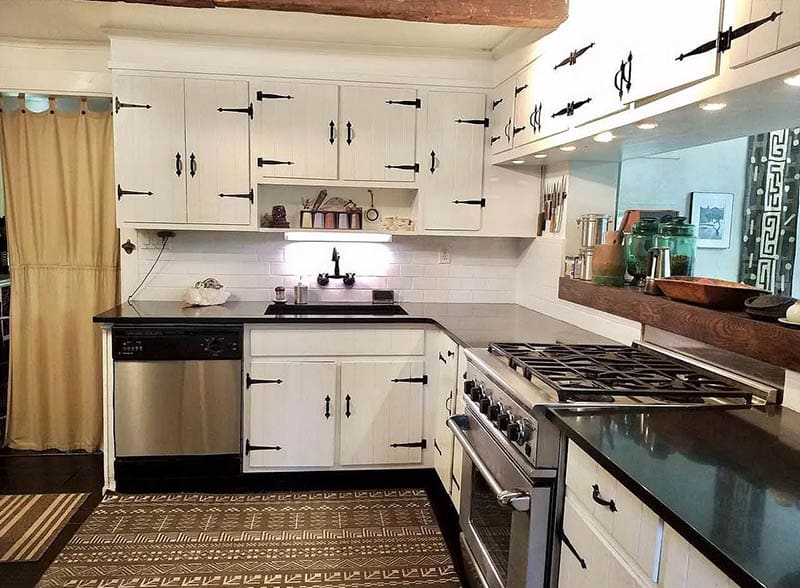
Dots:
pixel 301 293
pixel 593 229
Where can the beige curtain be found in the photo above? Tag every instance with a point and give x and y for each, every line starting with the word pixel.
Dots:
pixel 63 244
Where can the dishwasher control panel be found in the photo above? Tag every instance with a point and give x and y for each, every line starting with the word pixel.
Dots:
pixel 176 343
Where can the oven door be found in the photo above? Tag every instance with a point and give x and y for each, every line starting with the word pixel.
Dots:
pixel 505 513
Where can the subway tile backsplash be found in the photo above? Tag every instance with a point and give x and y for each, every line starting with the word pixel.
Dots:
pixel 252 265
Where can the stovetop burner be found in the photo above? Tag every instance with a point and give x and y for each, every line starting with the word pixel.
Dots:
pixel 600 373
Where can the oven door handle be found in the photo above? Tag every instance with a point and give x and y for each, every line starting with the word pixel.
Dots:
pixel 516 499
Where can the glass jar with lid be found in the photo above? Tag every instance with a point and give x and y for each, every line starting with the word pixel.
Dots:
pixel 681 239
pixel 637 248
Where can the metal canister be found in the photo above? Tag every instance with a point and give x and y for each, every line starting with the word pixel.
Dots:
pixel 300 293
pixel 586 264
pixel 593 229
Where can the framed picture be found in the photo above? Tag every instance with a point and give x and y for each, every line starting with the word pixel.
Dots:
pixel 712 214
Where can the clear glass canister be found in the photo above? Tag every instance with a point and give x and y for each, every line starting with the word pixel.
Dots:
pixel 637 248
pixel 679 236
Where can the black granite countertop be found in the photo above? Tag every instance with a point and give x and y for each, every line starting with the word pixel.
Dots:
pixel 470 325
pixel 728 480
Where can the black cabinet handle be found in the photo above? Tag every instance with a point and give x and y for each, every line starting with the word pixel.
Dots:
pixel 572 58
pixel 192 165
pixel 251 381
pixel 497 102
pixel 572 549
pixel 347 412
pixel 267 96
pixel 725 39
pixel 477 202
pixel 249 195
pixel 622 79
pixel 248 110
pixel 118 105
pixel 507 130
pixel 450 353
pixel 248 447
pixel 447 402
pixel 349 139
pixel 436 447
pixel 178 165
pixel 441 358
pixel 411 166
pixel 571 107
pixel 599 500
pixel 121 192
pixel 536 118
pixel 327 407
pixel 331 137
pixel 261 162
pixel 433 161
pixel 519 89
pixel 484 122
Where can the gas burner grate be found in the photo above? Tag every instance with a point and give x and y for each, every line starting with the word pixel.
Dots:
pixel 599 373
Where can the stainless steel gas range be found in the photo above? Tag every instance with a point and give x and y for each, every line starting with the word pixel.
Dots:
pixel 512 490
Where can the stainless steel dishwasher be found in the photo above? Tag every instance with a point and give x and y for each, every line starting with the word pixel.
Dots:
pixel 177 390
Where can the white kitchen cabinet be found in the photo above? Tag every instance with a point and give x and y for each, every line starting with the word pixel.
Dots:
pixel 290 413
pixel 296 130
pixel 774 34
pixel 380 413
pixel 446 388
pixel 150 156
pixel 682 566
pixel 452 196
pixel 218 148
pixel 501 117
pixel 378 133
pixel 536 95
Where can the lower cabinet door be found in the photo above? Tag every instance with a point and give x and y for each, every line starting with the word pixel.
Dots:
pixel 381 412
pixel 290 414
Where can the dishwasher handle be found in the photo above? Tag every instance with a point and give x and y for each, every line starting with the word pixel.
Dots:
pixel 516 499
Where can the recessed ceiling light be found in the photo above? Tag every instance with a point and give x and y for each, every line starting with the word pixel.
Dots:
pixel 540 156
pixel 518 161
pixel 793 81
pixel 647 125
pixel 712 106
pixel 568 148
pixel 604 137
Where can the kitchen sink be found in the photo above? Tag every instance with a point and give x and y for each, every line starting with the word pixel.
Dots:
pixel 337 309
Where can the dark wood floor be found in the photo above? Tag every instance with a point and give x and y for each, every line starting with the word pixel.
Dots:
pixel 28 472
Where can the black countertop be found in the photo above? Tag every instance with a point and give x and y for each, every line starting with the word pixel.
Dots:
pixel 728 480
pixel 470 325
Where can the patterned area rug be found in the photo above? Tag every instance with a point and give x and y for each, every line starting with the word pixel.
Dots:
pixel 353 539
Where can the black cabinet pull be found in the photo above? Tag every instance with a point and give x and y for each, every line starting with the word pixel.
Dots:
pixel 349 139
pixel 118 105
pixel 331 137
pixel 433 161
pixel 121 192
pixel 441 358
pixel 347 412
pixel 248 110
pixel 251 381
pixel 249 195
pixel 484 122
pixel 455 482
pixel 518 130
pixel 599 500
pixel 725 39
pixel 192 165
pixel 411 166
pixel 261 162
pixel 622 79
pixel 447 403
pixel 507 130
pixel 571 107
pixel 493 140
pixel 519 89
pixel 267 96
pixel 572 549
pixel 248 447
pixel 327 407
pixel 423 444
pixel 536 118
pixel 421 380
pixel 573 56
pixel 450 353
pixel 497 102
pixel 415 103
pixel 476 202
pixel 178 165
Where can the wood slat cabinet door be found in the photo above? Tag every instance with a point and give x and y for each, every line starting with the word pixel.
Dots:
pixel 453 171
pixel 779 28
pixel 501 117
pixel 149 149
pixel 446 390
pixel 378 134
pixel 381 418
pixel 296 129
pixel 218 152
pixel 682 566
pixel 290 405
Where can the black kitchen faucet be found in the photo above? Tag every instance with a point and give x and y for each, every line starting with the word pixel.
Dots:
pixel 324 279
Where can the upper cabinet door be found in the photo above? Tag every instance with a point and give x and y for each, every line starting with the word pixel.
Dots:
pixel 149 149
pixel 296 129
pixel 218 152
pixel 378 134
pixel 773 25
pixel 453 192
pixel 501 117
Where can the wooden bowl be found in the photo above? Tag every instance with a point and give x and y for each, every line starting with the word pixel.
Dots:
pixel 709 292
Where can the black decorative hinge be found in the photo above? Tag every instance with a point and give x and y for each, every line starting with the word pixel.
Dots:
pixel 519 89
pixel 518 130
pixel 261 162
pixel 260 96
pixel 484 122
pixel 536 118
pixel 423 444
pixel 622 79
pixel 250 381
pixel 412 167
pixel 571 107
pixel 496 102
pixel 415 103
pixel 347 411
pixel 455 482
pixel 118 105
pixel 421 380
pixel 493 140
pixel 248 447
pixel 572 549
pixel 248 110
pixel 436 447
pixel 572 58
pixel 327 407
pixel 476 202
pixel 725 39
pixel 249 196
pixel 121 192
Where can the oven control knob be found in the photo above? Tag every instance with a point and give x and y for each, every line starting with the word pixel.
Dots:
pixel 484 404
pixel 214 346
pixel 518 432
pixel 477 392
pixel 503 420
pixel 494 411
pixel 469 386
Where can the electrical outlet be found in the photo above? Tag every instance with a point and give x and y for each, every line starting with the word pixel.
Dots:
pixel 153 239
pixel 444 255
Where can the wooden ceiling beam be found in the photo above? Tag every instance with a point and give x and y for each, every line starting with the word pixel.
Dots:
pixel 510 13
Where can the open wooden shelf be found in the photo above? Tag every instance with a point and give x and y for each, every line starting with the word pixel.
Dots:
pixel 734 331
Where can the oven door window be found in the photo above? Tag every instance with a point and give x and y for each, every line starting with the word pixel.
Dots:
pixel 491 523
